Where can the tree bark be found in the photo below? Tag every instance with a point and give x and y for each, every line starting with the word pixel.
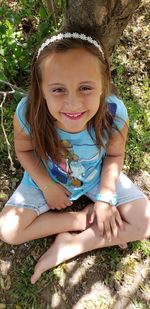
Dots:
pixel 108 17
pixel 53 10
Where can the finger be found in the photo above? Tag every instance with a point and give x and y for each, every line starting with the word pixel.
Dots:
pixel 107 230
pixel 67 193
pixel 60 206
pixel 114 227
pixel 89 210
pixel 68 202
pixel 119 220
pixel 63 206
pixel 100 227
pixel 91 217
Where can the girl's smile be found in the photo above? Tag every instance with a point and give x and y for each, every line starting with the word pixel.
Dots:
pixel 71 84
pixel 74 116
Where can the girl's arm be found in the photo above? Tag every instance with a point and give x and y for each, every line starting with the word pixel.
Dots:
pixel 107 216
pixel 55 194
pixel 113 161
pixel 26 155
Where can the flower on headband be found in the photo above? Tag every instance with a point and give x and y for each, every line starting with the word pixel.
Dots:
pixel 53 38
pixel 83 37
pixel 59 36
pixel 75 35
pixel 67 35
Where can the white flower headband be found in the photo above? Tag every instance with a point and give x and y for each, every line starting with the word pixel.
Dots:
pixel 69 35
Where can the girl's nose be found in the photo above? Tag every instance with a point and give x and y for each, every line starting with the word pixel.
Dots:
pixel 73 101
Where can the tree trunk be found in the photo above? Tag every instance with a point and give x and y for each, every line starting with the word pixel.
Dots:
pixel 108 17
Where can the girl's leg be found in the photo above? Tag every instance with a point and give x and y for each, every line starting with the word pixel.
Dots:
pixel 18 225
pixel 136 216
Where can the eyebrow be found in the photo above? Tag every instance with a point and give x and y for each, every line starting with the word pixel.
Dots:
pixel 83 82
pixel 55 84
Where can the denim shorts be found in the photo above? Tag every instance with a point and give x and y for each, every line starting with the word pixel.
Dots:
pixel 32 198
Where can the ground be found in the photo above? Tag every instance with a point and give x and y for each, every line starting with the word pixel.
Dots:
pixel 108 278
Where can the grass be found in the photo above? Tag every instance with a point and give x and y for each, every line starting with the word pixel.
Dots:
pixel 112 268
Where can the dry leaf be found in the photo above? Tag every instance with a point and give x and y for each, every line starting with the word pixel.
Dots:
pixel 5 283
pixel 2 306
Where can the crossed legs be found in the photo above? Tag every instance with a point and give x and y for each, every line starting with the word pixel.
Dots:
pixel 136 217
pixel 19 225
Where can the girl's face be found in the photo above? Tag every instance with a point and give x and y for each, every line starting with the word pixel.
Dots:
pixel 71 85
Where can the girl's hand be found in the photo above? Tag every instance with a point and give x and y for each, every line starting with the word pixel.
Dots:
pixel 57 197
pixel 108 219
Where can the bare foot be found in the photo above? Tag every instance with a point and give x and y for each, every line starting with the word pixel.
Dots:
pixel 61 250
pixel 88 211
pixel 82 217
pixel 123 246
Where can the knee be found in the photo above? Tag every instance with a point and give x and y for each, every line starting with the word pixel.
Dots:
pixel 144 228
pixel 10 240
pixel 145 224
pixel 9 237
pixel 138 217
pixel 9 232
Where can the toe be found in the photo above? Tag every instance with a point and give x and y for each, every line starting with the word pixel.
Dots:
pixel 35 277
pixel 123 246
pixel 37 273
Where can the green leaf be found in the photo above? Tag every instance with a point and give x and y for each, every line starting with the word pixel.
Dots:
pixel 2 51
pixel 8 24
pixel 44 27
pixel 42 13
pixel 2 75
pixel 2 28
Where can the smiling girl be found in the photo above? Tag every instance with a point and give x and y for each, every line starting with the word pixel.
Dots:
pixel 70 134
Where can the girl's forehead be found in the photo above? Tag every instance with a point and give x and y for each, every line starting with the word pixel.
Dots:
pixel 78 61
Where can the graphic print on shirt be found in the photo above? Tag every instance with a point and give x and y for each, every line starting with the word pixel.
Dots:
pixel 74 170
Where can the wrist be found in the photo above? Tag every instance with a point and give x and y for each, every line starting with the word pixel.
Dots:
pixel 108 198
pixel 49 183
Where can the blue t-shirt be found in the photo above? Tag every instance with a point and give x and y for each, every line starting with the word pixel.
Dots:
pixel 80 171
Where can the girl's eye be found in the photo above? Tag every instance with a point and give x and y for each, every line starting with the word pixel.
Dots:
pixel 85 88
pixel 58 90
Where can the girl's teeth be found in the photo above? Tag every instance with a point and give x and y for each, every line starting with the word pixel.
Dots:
pixel 75 115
